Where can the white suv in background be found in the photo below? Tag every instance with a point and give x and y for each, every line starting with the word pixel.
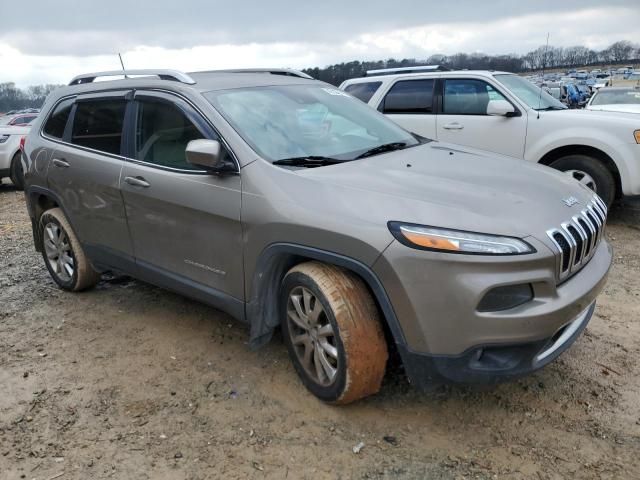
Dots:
pixel 504 113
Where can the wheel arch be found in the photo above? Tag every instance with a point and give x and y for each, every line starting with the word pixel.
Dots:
pixel 262 310
pixel 566 150
pixel 39 201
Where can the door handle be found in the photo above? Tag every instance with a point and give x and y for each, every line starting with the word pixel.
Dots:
pixel 137 182
pixel 453 126
pixel 61 162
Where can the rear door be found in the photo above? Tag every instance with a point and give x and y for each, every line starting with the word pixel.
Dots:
pixel 184 222
pixel 410 103
pixel 84 172
pixel 464 120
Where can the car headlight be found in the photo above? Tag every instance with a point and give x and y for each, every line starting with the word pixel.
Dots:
pixel 4 138
pixel 457 241
pixel 636 134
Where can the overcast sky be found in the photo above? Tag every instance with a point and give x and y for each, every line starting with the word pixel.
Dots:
pixel 51 41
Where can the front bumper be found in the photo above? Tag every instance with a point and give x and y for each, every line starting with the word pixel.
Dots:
pixel 435 298
pixel 493 364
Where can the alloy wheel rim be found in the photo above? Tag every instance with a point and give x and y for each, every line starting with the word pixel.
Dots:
pixel 58 251
pixel 584 178
pixel 312 336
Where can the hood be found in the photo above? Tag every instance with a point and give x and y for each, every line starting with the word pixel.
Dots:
pixel 589 114
pixel 627 108
pixel 456 187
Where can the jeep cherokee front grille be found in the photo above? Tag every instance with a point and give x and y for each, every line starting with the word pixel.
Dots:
pixel 577 239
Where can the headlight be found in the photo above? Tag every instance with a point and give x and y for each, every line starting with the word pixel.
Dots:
pixel 636 134
pixel 4 138
pixel 457 241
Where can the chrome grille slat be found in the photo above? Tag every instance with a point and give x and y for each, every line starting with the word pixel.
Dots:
pixel 577 240
pixel 585 239
pixel 593 228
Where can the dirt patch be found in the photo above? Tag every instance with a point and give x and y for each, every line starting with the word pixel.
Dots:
pixel 130 381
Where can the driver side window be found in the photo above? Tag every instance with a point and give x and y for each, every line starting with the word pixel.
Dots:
pixel 468 97
pixel 163 132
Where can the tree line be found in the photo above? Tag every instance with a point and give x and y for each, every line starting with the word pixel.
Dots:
pixel 543 57
pixel 14 98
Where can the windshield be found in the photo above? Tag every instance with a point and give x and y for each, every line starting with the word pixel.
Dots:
pixel 616 97
pixel 529 93
pixel 286 121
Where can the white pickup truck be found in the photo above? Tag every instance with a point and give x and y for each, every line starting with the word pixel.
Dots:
pixel 504 113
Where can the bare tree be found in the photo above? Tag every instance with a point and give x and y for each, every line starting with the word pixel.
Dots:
pixel 622 51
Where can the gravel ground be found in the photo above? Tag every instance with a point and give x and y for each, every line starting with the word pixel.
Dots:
pixel 130 381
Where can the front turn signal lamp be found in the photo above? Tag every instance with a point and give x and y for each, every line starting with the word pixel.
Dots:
pixel 457 241
pixel 636 134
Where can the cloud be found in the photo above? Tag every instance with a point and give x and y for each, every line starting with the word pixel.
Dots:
pixel 263 36
pixel 82 28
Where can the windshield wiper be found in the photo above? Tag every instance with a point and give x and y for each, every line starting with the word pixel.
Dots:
pixel 386 147
pixel 309 161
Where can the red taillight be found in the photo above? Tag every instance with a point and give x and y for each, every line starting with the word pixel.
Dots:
pixel 22 140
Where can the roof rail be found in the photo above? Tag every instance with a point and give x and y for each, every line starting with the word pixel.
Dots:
pixel 173 75
pixel 289 72
pixel 417 69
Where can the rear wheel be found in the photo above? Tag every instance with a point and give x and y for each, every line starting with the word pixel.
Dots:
pixel 17 173
pixel 591 172
pixel 332 329
pixel 63 254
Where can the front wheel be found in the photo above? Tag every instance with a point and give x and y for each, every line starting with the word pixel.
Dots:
pixel 16 172
pixel 333 332
pixel 63 255
pixel 591 172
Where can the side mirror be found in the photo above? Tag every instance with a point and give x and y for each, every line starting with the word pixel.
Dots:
pixel 208 154
pixel 500 108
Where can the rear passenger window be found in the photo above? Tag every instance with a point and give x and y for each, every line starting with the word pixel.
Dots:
pixel 468 97
pixel 97 124
pixel 162 135
pixel 410 96
pixel 57 122
pixel 363 91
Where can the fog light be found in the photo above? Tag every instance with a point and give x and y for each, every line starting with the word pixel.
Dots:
pixel 504 298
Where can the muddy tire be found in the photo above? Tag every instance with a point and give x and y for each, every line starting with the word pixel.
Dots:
pixel 63 255
pixel 16 172
pixel 590 172
pixel 332 329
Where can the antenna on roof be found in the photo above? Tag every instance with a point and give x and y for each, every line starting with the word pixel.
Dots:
pixel 544 63
pixel 122 63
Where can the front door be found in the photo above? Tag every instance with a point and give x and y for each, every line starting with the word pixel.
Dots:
pixel 184 223
pixel 464 119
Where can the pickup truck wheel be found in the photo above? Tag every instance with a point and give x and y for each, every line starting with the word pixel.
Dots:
pixel 591 172
pixel 63 255
pixel 332 330
pixel 16 172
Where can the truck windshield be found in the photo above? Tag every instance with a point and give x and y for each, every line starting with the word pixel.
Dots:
pixel 308 121
pixel 529 93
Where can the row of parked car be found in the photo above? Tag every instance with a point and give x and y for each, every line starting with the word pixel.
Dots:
pixel 575 88
pixel 14 126
pixel 288 203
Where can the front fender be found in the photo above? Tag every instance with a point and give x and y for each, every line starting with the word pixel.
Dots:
pixel 621 153
pixel 262 308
